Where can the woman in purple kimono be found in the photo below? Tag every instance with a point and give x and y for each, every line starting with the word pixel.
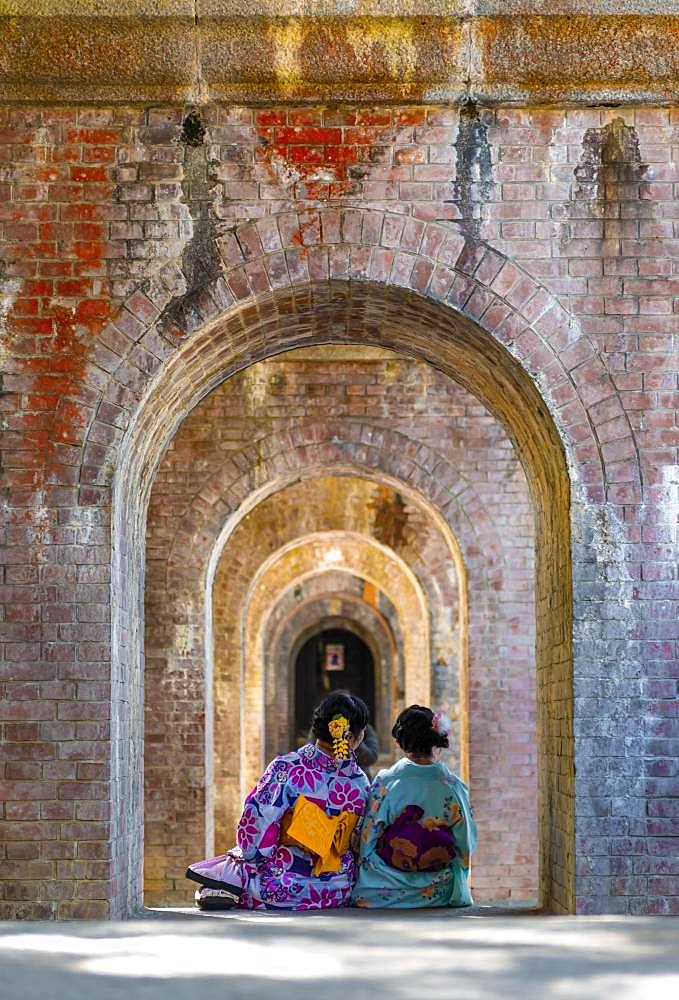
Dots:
pixel 294 835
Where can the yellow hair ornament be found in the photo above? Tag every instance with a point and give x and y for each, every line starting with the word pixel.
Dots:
pixel 338 727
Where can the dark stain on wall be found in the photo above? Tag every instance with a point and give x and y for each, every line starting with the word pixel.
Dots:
pixel 610 156
pixel 193 130
pixel 610 174
pixel 201 263
pixel 391 518
pixel 474 177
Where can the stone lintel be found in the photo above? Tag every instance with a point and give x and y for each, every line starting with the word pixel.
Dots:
pixel 195 52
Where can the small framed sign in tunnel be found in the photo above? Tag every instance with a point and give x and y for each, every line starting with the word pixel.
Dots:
pixel 334 656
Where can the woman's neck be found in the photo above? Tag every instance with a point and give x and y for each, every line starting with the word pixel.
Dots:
pixel 420 758
pixel 326 748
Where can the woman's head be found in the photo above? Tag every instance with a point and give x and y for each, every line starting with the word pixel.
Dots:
pixel 352 708
pixel 414 731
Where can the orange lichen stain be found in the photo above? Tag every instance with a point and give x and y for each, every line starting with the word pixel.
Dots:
pixel 57 376
pixel 68 310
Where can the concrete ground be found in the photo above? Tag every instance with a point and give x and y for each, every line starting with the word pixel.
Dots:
pixel 343 955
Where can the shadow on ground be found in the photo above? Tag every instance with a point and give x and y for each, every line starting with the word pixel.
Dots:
pixel 399 955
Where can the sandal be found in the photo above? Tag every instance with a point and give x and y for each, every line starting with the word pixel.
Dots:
pixel 215 899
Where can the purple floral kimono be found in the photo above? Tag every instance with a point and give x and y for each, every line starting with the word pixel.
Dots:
pixel 272 876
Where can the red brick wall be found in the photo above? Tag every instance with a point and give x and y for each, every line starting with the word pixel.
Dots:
pixel 105 206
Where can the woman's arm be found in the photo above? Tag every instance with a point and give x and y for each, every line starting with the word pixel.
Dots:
pixel 374 820
pixel 463 827
pixel 259 827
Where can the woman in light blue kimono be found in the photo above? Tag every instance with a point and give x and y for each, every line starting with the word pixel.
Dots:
pixel 418 831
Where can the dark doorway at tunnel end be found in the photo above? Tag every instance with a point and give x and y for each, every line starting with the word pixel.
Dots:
pixel 330 660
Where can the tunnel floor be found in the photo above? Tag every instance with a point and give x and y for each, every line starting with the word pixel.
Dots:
pixel 485 951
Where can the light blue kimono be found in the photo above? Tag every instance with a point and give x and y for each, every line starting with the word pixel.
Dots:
pixel 441 801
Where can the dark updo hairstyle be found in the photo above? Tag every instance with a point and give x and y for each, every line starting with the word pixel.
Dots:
pixel 352 708
pixel 414 733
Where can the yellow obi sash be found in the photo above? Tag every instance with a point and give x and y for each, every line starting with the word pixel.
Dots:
pixel 328 837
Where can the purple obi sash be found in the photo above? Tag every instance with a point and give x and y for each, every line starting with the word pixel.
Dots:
pixel 412 844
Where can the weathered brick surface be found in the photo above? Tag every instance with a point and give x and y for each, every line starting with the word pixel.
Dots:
pixel 552 231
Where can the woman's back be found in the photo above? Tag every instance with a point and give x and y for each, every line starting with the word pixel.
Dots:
pixel 435 783
pixel 416 839
pixel 294 836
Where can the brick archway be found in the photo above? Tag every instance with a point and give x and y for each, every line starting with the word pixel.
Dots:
pixel 297 559
pixel 291 619
pixel 335 444
pixel 357 555
pixel 263 261
pixel 493 590
pixel 181 593
pixel 449 301
pixel 94 391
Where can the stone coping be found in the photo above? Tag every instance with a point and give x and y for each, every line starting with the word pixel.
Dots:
pixel 339 51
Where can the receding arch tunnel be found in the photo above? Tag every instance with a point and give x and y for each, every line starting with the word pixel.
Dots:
pixel 450 347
